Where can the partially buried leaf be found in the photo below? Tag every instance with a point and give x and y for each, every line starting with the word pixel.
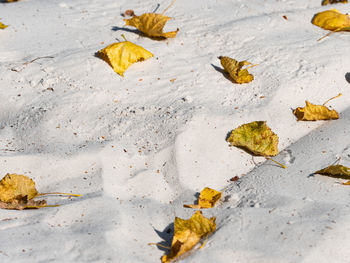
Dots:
pixel 23 203
pixel 313 112
pixel 236 71
pixel 122 55
pixel 256 137
pixel 327 2
pixel 188 233
pixel 207 199
pixel 336 171
pixel 332 20
pixel 151 25
pixel 2 26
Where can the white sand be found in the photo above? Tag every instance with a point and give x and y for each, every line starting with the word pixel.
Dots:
pixel 139 147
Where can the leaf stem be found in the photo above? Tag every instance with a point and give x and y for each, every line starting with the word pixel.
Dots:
pixel 340 94
pixel 168 7
pixel 252 66
pixel 55 193
pixel 330 33
pixel 159 245
pixel 283 166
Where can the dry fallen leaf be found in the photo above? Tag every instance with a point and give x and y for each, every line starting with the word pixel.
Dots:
pixel 129 12
pixel 327 2
pixel 234 68
pixel 336 171
pixel 313 112
pixel 256 137
pixel 16 186
pixel 188 233
pixel 17 192
pixel 332 20
pixel 2 26
pixel 122 55
pixel 207 199
pixel 151 25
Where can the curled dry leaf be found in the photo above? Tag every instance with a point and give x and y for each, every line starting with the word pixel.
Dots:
pixel 122 55
pixel 336 171
pixel 332 20
pixel 234 68
pixel 313 112
pixel 327 2
pixel 2 26
pixel 188 233
pixel 129 12
pixel 207 199
pixel 256 137
pixel 151 25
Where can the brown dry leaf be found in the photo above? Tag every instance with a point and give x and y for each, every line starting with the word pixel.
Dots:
pixel 188 233
pixel 256 137
pixel 313 112
pixel 23 203
pixel 330 2
pixel 207 199
pixel 122 55
pixel 332 20
pixel 129 12
pixel 236 71
pixel 151 25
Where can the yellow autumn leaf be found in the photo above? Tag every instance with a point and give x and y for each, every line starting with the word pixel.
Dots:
pixel 151 25
pixel 332 20
pixel 330 2
pixel 2 26
pixel 313 112
pixel 188 233
pixel 15 187
pixel 207 199
pixel 256 137
pixel 17 192
pixel 236 71
pixel 122 55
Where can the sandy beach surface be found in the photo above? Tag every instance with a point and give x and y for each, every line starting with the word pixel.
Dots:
pixel 138 147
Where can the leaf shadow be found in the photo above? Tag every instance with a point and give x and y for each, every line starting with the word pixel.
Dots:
pixel 135 31
pixel 222 71
pixel 166 235
pixel 347 77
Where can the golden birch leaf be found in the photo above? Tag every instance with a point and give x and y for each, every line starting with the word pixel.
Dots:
pixel 122 55
pixel 207 199
pixel 234 68
pixel 313 112
pixel 15 187
pixel 256 137
pixel 2 26
pixel 151 25
pixel 188 233
pixel 330 2
pixel 336 171
pixel 332 20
